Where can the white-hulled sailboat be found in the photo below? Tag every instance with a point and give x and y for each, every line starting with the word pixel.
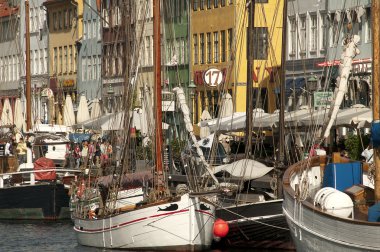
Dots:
pixel 160 221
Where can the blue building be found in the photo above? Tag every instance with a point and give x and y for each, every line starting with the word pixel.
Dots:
pixel 90 53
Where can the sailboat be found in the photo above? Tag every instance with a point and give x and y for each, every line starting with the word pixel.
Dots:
pixel 255 215
pixel 327 203
pixel 161 220
pixel 33 190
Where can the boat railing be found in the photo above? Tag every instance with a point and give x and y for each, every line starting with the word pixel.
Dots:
pixel 32 181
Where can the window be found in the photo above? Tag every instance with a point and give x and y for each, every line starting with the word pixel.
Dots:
pixel 84 67
pixel 222 3
pixel 209 47
pixel 202 4
pixel 84 29
pixel 69 62
pixel 75 60
pixel 230 41
pixel 147 44
pixel 55 61
pixel 368 33
pixel 208 4
pixel 55 21
pixel 65 60
pixel 120 59
pixel 293 35
pixel 202 44
pixel 195 43
pixel 195 5
pixel 36 58
pixel 60 60
pixel 216 47
pixel 260 36
pixel 313 32
pixel 216 3
pixel 323 37
pixel 261 1
pixel 302 34
pixel 105 18
pixel 223 46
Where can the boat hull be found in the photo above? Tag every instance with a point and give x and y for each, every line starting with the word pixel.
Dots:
pixel 186 223
pixel 256 225
pixel 48 201
pixel 313 229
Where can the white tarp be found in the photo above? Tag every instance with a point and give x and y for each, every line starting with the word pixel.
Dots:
pixel 95 111
pixel 19 117
pixel 68 112
pixel 83 113
pixel 7 113
pixel 357 116
pixel 246 169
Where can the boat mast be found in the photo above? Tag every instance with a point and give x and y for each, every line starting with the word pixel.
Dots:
pixel 250 57
pixel 281 154
pixel 375 12
pixel 157 82
pixel 27 71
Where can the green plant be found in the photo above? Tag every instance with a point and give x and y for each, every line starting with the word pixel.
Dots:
pixel 354 146
pixel 177 146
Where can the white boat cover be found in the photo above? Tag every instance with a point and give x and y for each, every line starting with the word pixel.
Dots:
pixel 246 169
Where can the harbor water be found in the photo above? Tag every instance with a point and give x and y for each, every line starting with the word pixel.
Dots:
pixel 38 236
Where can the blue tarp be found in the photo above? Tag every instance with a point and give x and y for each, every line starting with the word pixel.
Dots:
pixel 342 175
pixel 79 137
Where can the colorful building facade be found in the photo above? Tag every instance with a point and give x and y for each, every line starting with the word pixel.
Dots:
pixel 219 40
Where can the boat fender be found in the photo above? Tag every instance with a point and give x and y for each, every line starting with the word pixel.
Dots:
pixel 221 228
pixel 91 214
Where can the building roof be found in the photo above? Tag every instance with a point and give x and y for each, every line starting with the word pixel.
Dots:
pixel 6 10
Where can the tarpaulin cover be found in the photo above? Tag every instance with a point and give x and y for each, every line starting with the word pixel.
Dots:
pixel 44 164
pixel 375 135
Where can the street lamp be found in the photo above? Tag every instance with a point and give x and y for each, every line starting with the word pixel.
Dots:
pixel 192 87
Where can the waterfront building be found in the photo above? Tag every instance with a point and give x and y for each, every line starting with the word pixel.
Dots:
pixel 114 49
pixel 351 18
pixel 316 30
pixel 10 57
pixel 307 46
pixel 219 40
pixel 39 71
pixel 90 52
pixel 65 28
pixel 175 63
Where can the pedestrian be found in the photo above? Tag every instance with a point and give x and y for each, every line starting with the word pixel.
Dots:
pixel 21 151
pixel 77 155
pixel 91 153
pixel 84 154
pixel 98 153
pixel 8 146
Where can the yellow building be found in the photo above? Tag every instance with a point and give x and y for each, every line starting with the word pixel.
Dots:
pixel 219 40
pixel 65 28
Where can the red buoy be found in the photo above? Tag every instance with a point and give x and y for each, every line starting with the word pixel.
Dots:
pixel 221 228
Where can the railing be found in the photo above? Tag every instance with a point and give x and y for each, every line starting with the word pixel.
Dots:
pixel 32 174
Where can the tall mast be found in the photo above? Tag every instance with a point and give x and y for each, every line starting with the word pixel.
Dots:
pixel 250 57
pixel 157 82
pixel 375 12
pixel 27 73
pixel 281 154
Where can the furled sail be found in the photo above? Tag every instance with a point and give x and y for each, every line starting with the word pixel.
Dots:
pixel 349 52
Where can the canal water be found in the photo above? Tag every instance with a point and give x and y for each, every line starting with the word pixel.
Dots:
pixel 50 236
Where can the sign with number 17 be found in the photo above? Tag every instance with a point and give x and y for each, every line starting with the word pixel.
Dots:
pixel 213 77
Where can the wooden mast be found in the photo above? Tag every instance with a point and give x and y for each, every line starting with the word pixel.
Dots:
pixel 375 12
pixel 157 82
pixel 250 58
pixel 27 69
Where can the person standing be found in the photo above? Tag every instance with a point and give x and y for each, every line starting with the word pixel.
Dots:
pixel 77 155
pixel 84 154
pixel 21 151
